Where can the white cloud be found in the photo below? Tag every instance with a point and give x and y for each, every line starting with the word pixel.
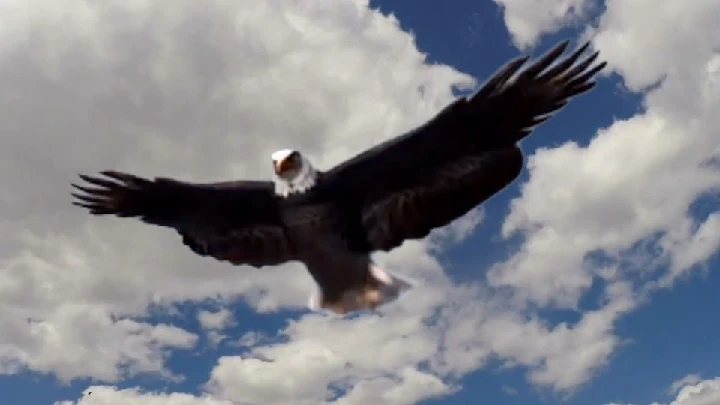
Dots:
pixel 205 92
pixel 527 20
pixel 409 387
pixel 628 193
pixel 705 392
pixel 319 352
pixel 459 229
pixel 193 92
pixel 217 320
pixel 637 178
pixel 692 390
pixel 690 379
pixel 103 395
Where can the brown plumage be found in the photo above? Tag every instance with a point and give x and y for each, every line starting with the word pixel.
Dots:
pixel 398 190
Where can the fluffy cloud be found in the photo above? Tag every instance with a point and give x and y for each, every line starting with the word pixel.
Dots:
pixel 219 319
pixel 690 379
pixel 619 208
pixel 198 92
pixel 692 390
pixel 215 322
pixel 706 392
pixel 626 196
pixel 629 193
pixel 100 395
pixel 527 20
pixel 205 92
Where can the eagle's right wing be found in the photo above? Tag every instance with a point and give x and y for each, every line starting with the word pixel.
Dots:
pixel 416 182
pixel 234 221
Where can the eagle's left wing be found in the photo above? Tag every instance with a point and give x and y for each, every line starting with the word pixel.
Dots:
pixel 422 180
pixel 235 221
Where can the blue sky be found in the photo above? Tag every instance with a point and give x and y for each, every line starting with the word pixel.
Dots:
pixel 669 337
pixel 660 335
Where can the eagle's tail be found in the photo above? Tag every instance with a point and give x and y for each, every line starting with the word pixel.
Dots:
pixel 380 287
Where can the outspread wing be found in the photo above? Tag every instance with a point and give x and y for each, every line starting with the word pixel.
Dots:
pixel 234 221
pixel 424 179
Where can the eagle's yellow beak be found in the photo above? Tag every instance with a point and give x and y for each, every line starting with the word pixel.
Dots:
pixel 281 166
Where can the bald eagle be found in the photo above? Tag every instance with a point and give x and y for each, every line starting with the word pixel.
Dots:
pixel 332 221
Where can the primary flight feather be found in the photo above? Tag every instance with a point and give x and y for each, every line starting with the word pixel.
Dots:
pixel 401 189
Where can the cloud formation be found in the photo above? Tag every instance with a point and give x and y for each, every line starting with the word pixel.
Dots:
pixel 207 92
pixel 692 390
pixel 630 191
pixel 527 20
pixel 193 92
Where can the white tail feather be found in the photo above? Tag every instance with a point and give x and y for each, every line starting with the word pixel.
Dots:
pixel 386 288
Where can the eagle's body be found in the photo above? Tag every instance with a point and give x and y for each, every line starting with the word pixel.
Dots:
pixel 332 221
pixel 338 261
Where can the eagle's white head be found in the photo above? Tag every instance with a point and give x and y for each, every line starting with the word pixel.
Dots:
pixel 293 172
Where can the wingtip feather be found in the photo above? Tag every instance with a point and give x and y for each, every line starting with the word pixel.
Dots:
pixel 548 84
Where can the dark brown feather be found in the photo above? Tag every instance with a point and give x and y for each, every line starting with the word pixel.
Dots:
pixel 234 221
pixel 447 194
pixel 424 179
